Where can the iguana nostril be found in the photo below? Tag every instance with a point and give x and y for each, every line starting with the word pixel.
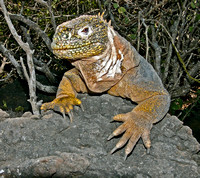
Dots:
pixel 64 35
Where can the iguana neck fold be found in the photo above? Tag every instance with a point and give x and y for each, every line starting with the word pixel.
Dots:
pixel 103 71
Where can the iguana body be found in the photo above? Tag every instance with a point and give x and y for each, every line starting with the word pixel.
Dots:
pixel 106 62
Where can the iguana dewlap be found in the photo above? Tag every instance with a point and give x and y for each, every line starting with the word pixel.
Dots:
pixel 106 62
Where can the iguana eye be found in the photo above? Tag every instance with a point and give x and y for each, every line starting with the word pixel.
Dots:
pixel 85 30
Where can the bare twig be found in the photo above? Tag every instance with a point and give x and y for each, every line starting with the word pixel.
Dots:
pixel 174 32
pixel 180 91
pixel 178 54
pixel 24 46
pixel 14 62
pixel 146 36
pixel 9 75
pixel 29 54
pixel 138 31
pixel 156 7
pixel 24 69
pixel 195 70
pixel 45 88
pixel 99 4
pixel 48 6
pixel 41 87
pixel 33 26
pixel 191 107
pixel 167 63
pixel 39 64
pixel 27 36
pixel 77 6
pixel 43 67
pixel 158 51
pixel 3 63
pixel 22 8
pixel 111 15
pixel 181 73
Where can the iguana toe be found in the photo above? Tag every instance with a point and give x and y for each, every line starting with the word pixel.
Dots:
pixel 146 139
pixel 132 130
pixel 63 105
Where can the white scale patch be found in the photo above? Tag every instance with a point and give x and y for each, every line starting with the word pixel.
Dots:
pixel 109 65
pixel 70 35
pixel 83 34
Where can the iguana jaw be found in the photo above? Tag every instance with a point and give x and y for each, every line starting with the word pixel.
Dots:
pixel 75 52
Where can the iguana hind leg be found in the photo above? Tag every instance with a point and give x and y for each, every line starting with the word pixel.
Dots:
pixel 153 103
pixel 70 84
pixel 136 124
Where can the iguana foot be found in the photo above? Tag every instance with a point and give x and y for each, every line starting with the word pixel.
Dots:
pixel 63 104
pixel 133 128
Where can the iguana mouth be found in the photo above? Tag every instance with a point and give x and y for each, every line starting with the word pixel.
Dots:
pixel 77 51
pixel 67 45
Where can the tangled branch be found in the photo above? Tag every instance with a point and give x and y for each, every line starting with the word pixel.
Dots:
pixel 31 78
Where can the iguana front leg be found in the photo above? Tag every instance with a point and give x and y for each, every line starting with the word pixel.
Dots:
pixel 70 84
pixel 153 103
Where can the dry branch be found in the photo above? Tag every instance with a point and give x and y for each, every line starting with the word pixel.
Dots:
pixel 179 56
pixel 14 62
pixel 147 39
pixel 9 75
pixel 48 6
pixel 33 26
pixel 138 31
pixel 45 88
pixel 43 67
pixel 31 78
pixel 158 51
pixel 3 63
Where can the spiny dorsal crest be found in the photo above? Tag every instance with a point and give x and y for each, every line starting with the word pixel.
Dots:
pixel 101 17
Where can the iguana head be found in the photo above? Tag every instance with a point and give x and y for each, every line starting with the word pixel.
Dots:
pixel 83 37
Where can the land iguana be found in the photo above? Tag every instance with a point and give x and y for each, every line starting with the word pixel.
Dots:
pixel 106 62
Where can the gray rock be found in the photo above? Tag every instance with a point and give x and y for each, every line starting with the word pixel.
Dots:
pixel 27 114
pixel 54 147
pixel 3 115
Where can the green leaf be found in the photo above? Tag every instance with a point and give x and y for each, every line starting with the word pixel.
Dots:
pixel 132 36
pixel 105 3
pixel 193 5
pixel 190 29
pixel 115 5
pixel 177 104
pixel 126 20
pixel 174 106
pixel 4 104
pixel 198 17
pixel 121 10
pixel 198 91
pixel 19 109
pixel 142 39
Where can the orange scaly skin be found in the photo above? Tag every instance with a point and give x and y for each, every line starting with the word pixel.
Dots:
pixel 105 61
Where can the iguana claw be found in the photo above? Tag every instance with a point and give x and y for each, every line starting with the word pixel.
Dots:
pixel 110 137
pixel 81 105
pixel 133 128
pixel 62 104
pixel 70 113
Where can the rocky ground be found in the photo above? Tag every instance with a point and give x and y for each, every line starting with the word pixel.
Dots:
pixel 53 147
